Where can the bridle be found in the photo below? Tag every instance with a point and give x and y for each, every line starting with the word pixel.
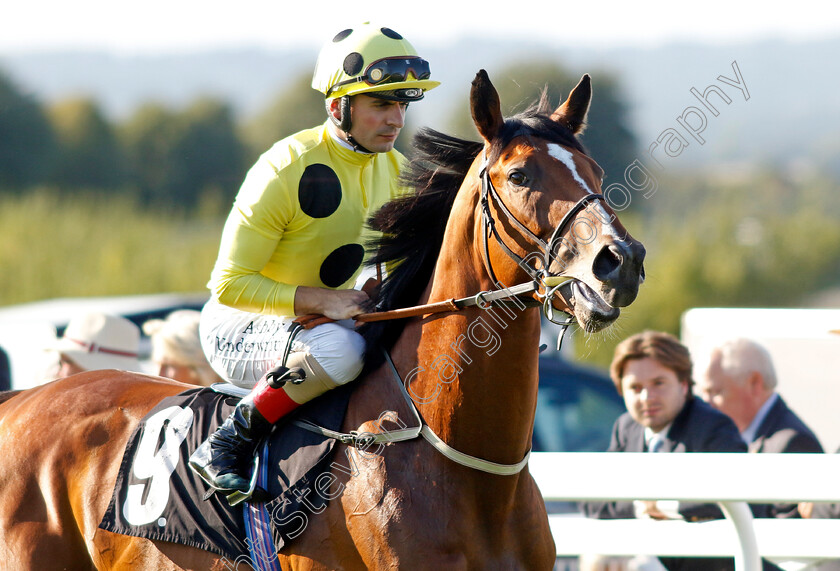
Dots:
pixel 545 284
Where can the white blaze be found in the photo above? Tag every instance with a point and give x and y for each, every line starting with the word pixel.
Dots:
pixel 567 159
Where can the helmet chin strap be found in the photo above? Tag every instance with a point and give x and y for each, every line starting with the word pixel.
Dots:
pixel 344 123
pixel 356 146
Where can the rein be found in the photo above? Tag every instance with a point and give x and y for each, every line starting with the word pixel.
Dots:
pixel 482 299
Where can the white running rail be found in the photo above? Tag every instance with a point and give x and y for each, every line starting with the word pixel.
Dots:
pixel 731 480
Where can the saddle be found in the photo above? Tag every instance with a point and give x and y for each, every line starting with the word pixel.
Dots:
pixel 158 497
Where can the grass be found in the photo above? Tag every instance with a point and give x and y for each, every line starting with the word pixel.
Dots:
pixel 97 245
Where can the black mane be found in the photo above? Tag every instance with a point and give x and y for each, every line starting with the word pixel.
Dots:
pixel 412 227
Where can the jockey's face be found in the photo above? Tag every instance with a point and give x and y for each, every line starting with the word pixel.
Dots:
pixel 376 123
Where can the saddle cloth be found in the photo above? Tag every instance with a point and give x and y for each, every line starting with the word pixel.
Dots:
pixel 158 497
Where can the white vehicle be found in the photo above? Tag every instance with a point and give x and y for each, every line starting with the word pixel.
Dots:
pixel 27 329
pixel 805 346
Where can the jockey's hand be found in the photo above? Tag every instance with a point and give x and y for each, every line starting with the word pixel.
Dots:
pixel 333 303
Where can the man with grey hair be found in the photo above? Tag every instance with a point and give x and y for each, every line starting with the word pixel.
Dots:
pixel 739 380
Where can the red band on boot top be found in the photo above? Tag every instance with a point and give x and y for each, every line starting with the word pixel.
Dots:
pixel 273 404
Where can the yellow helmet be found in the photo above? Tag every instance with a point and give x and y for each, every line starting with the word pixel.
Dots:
pixel 371 59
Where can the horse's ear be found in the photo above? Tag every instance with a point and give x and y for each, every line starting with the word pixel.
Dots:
pixel 572 113
pixel 485 106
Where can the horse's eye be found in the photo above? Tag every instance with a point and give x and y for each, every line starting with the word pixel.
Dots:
pixel 517 178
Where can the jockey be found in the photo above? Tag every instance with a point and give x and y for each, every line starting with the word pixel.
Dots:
pixel 293 245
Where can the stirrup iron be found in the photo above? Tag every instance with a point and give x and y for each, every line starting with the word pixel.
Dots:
pixel 254 492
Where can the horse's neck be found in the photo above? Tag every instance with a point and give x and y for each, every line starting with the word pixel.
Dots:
pixel 476 375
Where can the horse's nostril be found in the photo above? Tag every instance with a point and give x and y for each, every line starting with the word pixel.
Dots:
pixel 607 262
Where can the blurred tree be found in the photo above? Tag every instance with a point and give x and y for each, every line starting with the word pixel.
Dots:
pixel 297 107
pixel 149 137
pixel 89 153
pixel 27 142
pixel 179 158
pixel 208 153
pixel 608 137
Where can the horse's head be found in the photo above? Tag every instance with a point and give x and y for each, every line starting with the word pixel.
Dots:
pixel 543 211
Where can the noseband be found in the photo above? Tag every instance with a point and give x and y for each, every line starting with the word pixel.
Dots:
pixel 546 285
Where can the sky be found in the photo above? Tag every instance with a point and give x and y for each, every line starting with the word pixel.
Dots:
pixel 154 27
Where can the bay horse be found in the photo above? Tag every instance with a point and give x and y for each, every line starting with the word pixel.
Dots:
pixel 481 211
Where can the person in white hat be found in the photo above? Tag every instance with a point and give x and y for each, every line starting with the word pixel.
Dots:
pixel 176 348
pixel 98 341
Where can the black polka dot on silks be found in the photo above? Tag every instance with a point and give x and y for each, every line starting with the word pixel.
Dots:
pixel 340 265
pixel 319 191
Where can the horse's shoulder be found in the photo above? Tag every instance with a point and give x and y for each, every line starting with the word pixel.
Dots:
pixel 374 393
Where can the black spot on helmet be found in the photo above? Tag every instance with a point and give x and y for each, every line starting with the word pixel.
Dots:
pixel 341 35
pixel 391 33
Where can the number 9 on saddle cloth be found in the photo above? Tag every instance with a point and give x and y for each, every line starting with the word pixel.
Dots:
pixel 158 497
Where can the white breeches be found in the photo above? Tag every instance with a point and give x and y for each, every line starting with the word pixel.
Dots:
pixel 241 347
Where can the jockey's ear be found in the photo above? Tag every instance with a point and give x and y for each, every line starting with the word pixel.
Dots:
pixel 486 107
pixel 572 112
pixel 334 109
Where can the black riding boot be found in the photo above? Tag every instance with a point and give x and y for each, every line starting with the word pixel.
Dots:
pixel 224 458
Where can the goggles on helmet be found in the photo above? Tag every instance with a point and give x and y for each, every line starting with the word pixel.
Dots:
pixel 389 70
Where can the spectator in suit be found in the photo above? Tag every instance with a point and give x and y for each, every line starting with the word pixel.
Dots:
pixel 652 372
pixel 739 380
